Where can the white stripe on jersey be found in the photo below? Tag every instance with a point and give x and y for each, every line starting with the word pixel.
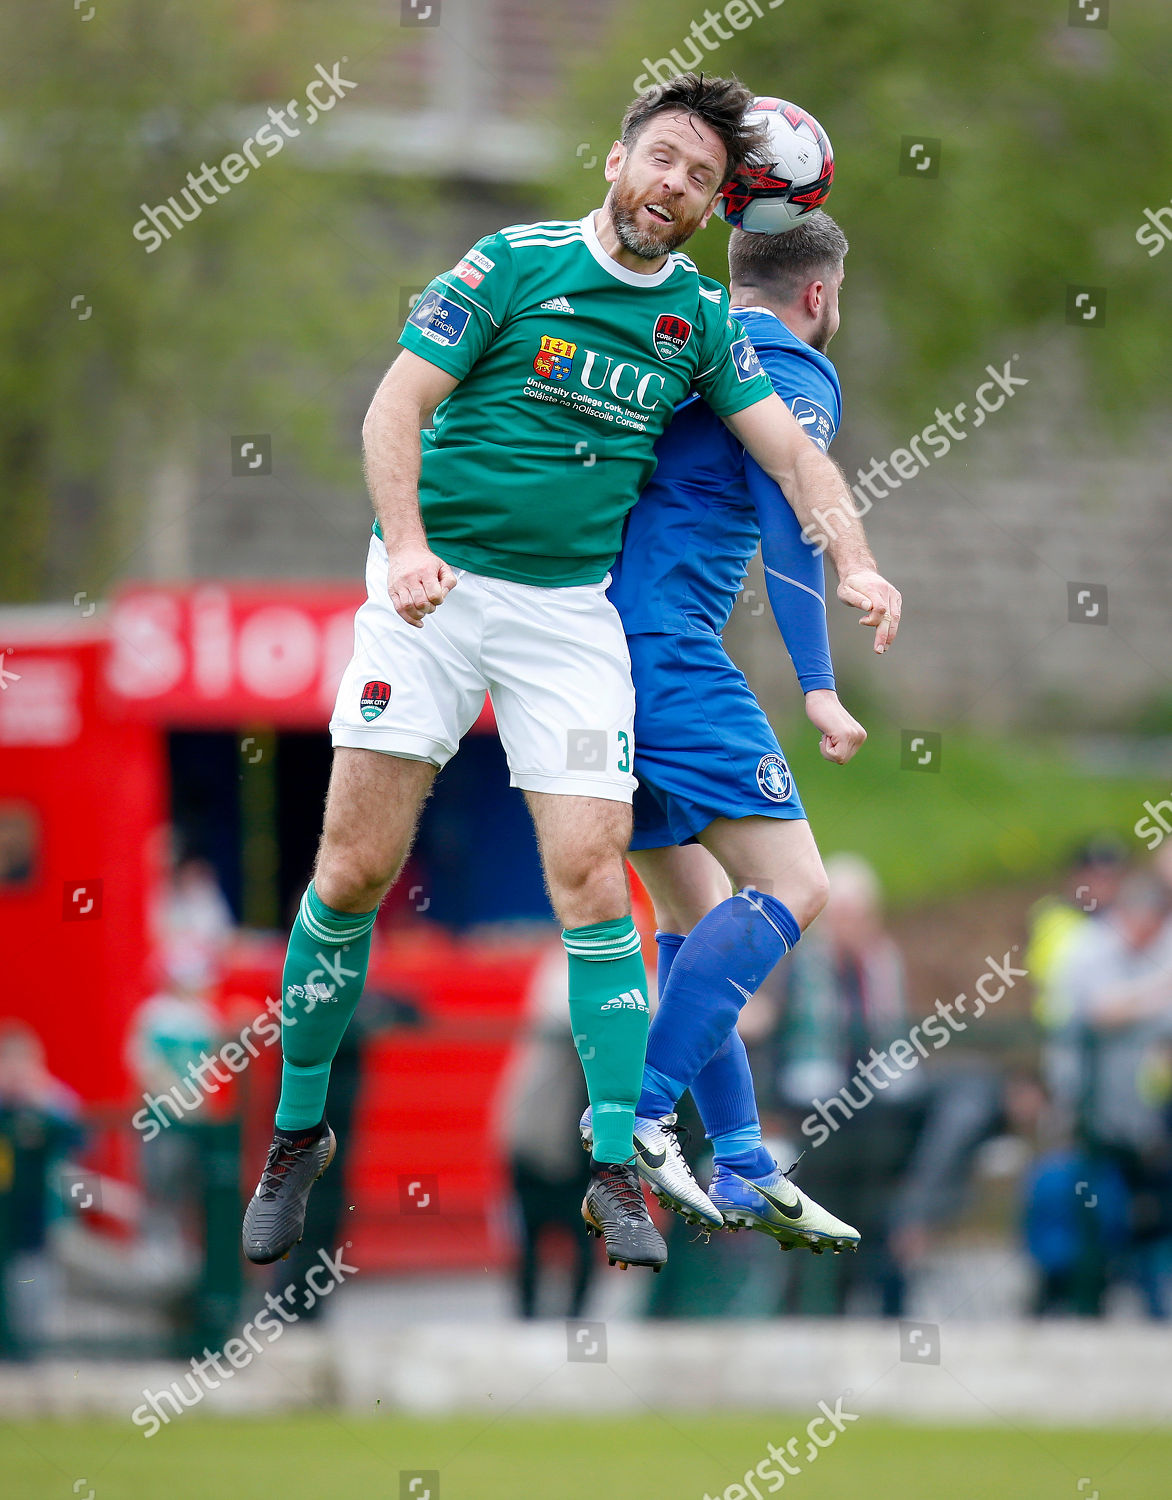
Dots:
pixel 546 227
pixel 569 239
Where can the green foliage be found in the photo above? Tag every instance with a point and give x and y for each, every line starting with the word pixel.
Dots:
pixel 1054 140
pixel 998 810
pixel 239 323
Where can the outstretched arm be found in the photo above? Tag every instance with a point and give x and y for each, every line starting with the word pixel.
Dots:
pixel 821 500
pixel 417 581
pixel 794 578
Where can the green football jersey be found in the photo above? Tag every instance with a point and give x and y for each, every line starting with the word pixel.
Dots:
pixel 569 366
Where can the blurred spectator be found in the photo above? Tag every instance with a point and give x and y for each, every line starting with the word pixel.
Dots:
pixel 1055 924
pixel 38 1130
pixel 844 994
pixel 169 1035
pixel 1116 983
pixel 1076 1210
pixel 845 988
pixel 1162 864
pixel 193 921
pixel 899 1166
pixel 541 1101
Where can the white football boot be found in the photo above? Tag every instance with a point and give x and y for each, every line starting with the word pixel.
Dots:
pixel 661 1165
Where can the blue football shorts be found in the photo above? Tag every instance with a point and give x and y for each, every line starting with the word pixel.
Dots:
pixel 703 746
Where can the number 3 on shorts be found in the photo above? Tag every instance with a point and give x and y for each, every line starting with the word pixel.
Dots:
pixel 624 751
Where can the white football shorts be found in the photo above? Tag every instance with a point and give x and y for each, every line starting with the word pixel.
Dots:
pixel 553 660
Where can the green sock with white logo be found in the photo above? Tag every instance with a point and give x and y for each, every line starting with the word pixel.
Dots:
pixel 325 969
pixel 609 1014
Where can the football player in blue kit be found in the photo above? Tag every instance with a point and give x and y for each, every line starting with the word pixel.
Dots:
pixel 721 840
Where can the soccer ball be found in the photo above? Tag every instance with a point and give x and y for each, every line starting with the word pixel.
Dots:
pixel 773 198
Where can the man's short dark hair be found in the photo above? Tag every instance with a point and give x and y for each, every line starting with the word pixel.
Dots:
pixel 721 104
pixel 784 264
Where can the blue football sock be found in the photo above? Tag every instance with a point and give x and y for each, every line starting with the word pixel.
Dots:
pixel 667 945
pixel 743 1152
pixel 724 1095
pixel 724 959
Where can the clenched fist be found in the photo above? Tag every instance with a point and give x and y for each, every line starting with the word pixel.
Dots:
pixel 418 582
pixel 842 735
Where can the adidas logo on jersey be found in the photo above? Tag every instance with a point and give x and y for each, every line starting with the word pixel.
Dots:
pixel 628 1000
pixel 557 304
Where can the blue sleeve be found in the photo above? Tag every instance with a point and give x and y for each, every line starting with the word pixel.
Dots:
pixel 795 581
pixel 794 574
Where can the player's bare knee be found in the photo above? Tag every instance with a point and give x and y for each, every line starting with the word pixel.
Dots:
pixel 803 891
pixel 816 894
pixel 349 880
pixel 681 914
pixel 589 886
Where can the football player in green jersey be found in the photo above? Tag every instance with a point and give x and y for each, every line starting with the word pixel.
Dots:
pixel 541 369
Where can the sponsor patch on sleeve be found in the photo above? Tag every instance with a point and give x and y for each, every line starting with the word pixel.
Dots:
pixel 814 419
pixel 469 273
pixel 479 260
pixel 440 319
pixel 745 359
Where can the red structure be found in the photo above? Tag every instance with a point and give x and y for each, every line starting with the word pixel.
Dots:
pixel 85 708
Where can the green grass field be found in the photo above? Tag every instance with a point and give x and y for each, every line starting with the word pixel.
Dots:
pixel 320 1457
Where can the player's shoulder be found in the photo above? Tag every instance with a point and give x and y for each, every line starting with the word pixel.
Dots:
pixel 544 235
pixel 779 346
pixel 705 301
pixel 712 298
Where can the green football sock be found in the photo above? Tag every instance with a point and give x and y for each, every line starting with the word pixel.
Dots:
pixel 609 1014
pixel 325 969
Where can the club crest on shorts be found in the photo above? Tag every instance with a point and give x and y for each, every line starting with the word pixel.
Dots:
pixel 375 697
pixel 774 779
pixel 671 335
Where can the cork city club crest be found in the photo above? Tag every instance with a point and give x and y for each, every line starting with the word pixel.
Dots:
pixel 671 335
pixel 375 697
pixel 555 358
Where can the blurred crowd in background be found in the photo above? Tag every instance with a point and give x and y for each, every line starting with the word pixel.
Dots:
pixel 1038 1140
pixel 1059 1149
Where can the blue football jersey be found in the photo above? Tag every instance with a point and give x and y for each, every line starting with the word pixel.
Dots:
pixel 701 516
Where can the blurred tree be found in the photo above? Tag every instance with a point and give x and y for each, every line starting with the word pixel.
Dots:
pixel 1054 138
pixel 119 364
pixel 117 356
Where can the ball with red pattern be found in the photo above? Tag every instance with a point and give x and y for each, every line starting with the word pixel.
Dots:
pixel 771 199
